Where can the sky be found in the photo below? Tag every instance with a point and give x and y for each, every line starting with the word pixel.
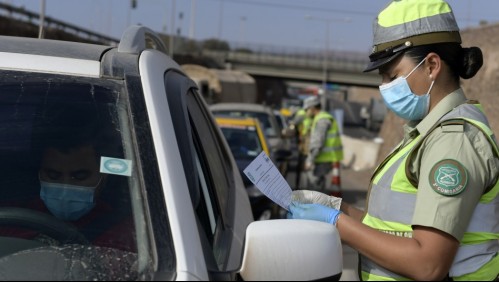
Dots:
pixel 270 24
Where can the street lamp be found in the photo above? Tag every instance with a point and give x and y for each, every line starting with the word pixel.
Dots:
pixel 328 22
pixel 241 29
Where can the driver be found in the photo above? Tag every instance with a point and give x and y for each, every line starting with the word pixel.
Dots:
pixel 72 187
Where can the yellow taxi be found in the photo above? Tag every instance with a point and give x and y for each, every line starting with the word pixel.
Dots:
pixel 246 140
pixel 244 135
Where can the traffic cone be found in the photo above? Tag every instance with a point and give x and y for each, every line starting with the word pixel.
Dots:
pixel 336 181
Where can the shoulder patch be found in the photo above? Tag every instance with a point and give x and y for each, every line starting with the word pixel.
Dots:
pixel 448 177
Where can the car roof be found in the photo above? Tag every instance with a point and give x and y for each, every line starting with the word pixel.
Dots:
pixel 241 107
pixel 237 121
pixel 55 48
pixel 67 57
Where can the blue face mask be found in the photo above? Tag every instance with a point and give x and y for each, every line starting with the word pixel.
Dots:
pixel 399 98
pixel 67 202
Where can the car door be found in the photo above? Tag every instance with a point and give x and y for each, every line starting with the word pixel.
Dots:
pixel 227 203
pixel 212 181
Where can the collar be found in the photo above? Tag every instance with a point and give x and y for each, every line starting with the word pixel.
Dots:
pixel 447 104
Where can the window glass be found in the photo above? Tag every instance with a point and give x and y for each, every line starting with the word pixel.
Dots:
pixel 263 118
pixel 213 172
pixel 243 142
pixel 67 160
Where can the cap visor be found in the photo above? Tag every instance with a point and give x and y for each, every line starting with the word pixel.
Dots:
pixel 378 63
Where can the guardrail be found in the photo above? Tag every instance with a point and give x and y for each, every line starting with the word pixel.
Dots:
pixel 340 62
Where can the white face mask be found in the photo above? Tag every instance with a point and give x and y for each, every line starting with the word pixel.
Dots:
pixel 400 99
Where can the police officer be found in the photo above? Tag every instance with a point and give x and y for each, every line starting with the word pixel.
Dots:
pixel 433 205
pixel 301 123
pixel 324 148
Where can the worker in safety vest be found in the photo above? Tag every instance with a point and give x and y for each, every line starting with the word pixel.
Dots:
pixel 301 124
pixel 433 208
pixel 324 147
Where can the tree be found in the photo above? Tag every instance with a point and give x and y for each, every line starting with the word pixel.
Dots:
pixel 215 44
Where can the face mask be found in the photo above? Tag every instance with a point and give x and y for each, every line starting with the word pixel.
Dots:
pixel 67 202
pixel 399 98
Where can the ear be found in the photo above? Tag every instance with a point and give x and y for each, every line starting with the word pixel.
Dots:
pixel 433 65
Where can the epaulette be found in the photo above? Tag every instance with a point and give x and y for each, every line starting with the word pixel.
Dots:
pixel 456 125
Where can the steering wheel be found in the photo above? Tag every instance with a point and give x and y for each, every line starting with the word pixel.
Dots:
pixel 43 223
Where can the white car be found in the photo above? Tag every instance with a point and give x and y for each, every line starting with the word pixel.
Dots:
pixel 169 202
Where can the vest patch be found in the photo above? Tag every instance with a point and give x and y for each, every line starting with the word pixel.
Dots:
pixel 448 178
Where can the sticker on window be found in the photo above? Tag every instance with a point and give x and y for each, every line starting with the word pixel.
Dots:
pixel 116 166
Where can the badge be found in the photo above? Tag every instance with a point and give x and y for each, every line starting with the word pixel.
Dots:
pixel 448 178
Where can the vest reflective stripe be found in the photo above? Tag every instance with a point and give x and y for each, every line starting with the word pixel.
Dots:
pixel 375 272
pixel 332 151
pixel 391 185
pixel 464 264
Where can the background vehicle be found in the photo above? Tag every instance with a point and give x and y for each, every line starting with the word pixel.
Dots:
pixel 172 173
pixel 279 143
pixel 246 141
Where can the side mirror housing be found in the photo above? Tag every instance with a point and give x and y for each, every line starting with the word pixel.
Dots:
pixel 292 249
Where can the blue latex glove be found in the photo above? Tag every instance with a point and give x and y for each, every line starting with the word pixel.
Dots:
pixel 314 212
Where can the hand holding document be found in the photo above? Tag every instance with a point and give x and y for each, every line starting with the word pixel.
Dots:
pixel 267 178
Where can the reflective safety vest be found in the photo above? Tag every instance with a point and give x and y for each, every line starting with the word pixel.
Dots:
pixel 332 151
pixel 304 125
pixel 393 198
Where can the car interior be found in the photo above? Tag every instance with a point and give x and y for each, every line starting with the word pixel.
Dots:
pixel 34 116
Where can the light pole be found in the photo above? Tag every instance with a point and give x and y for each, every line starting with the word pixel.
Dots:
pixel 42 19
pixel 193 19
pixel 241 29
pixel 172 33
pixel 325 61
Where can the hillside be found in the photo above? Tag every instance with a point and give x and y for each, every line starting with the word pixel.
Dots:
pixel 484 87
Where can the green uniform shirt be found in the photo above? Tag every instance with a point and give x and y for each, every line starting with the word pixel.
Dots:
pixel 465 144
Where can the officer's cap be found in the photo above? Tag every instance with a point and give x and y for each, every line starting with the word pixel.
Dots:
pixel 311 102
pixel 408 23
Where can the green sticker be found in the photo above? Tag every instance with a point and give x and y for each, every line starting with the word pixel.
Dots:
pixel 448 178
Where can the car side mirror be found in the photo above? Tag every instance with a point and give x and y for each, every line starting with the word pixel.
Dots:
pixel 292 249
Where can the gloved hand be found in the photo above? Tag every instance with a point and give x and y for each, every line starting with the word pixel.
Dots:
pixel 314 197
pixel 313 212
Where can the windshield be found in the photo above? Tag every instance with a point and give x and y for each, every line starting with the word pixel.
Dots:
pixel 243 142
pixel 68 180
pixel 263 118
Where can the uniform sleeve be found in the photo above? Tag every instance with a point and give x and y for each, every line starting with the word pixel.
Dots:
pixel 317 138
pixel 456 166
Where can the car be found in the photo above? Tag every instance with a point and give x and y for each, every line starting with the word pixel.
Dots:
pixel 279 142
pixel 246 141
pixel 175 205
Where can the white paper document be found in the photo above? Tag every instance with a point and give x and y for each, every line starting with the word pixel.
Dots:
pixel 267 178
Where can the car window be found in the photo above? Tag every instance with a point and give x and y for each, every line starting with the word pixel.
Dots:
pixel 214 176
pixel 263 118
pixel 243 142
pixel 67 160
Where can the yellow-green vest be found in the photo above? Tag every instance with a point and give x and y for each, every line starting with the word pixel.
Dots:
pixel 393 197
pixel 332 151
pixel 304 126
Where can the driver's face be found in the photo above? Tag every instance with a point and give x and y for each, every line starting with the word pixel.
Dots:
pixel 79 166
